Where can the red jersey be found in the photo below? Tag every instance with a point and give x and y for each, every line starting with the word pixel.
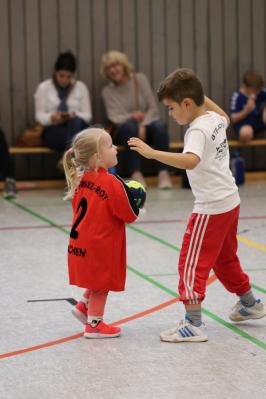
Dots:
pixel 102 205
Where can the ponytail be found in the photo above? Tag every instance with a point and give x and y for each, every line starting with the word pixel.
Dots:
pixel 71 173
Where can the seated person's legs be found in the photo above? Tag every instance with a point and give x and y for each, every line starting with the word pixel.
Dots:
pixel 54 137
pixel 157 135
pixel 6 168
pixel 74 126
pixel 264 116
pixel 121 137
pixel 58 137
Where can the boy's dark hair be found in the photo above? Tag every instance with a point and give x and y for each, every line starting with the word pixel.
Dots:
pixel 66 62
pixel 180 84
pixel 253 79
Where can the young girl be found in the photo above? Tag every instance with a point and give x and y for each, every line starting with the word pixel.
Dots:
pixel 102 205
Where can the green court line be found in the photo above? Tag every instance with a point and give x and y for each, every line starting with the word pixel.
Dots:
pixel 260 289
pixel 232 327
pixel 213 316
pixel 149 235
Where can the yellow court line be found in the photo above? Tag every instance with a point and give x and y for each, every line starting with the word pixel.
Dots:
pixel 251 243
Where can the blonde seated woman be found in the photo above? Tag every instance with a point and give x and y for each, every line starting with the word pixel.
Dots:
pixel 131 106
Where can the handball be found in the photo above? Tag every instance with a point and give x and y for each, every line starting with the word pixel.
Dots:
pixel 138 192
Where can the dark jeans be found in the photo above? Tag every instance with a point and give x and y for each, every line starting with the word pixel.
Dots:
pixel 59 137
pixel 156 135
pixel 6 164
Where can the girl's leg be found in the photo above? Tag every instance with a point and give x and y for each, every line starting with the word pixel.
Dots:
pixel 80 310
pixel 96 305
pixel 95 327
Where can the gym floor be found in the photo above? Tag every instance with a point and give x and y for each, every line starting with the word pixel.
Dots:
pixel 43 352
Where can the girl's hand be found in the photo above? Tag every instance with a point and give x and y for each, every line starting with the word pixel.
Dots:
pixel 139 146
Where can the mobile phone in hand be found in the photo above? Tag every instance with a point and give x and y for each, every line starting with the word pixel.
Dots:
pixel 65 115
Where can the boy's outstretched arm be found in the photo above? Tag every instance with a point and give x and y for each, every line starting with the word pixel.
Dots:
pixel 212 106
pixel 181 161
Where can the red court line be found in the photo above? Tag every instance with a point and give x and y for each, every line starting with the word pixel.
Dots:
pixel 118 322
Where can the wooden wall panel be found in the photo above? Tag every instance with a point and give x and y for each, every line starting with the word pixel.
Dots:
pixel 220 39
pixel 18 66
pixel 32 52
pixel 5 71
pixel 231 71
pixel 49 36
pixel 67 21
pixel 259 34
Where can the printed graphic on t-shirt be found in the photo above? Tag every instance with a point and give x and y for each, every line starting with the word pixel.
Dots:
pixel 221 150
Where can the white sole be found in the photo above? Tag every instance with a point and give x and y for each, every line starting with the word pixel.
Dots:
pixel 188 339
pixel 79 315
pixel 97 335
pixel 251 317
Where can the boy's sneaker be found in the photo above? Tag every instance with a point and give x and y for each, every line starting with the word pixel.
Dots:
pixel 101 330
pixel 185 332
pixel 10 190
pixel 80 312
pixel 241 312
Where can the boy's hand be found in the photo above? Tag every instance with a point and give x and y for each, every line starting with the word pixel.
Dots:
pixel 139 146
pixel 251 104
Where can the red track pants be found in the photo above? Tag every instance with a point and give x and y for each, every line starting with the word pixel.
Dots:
pixel 210 242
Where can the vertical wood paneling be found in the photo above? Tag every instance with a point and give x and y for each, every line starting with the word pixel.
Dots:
pixel 244 35
pixel 18 72
pixel 5 71
pixel 67 25
pixel 231 75
pixel 172 53
pixel 219 39
pixel 187 34
pixel 128 26
pixel 99 47
pixel 258 36
pixel 84 42
pixel 202 42
pixel 216 85
pixel 49 36
pixel 144 37
pixel 114 39
pixel 32 51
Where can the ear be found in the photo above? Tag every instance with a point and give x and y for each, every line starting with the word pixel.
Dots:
pixel 187 102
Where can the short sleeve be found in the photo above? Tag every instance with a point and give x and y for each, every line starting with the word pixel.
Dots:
pixel 235 105
pixel 194 142
pixel 122 201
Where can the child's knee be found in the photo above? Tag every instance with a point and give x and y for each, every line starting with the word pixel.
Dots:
pixel 246 133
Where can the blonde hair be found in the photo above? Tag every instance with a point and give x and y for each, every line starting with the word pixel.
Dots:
pixel 81 156
pixel 115 57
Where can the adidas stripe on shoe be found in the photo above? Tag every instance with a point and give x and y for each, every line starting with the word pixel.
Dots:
pixel 185 332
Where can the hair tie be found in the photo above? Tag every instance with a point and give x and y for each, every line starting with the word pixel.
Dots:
pixel 71 152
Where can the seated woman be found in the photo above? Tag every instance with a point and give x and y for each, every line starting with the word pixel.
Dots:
pixel 130 105
pixel 62 104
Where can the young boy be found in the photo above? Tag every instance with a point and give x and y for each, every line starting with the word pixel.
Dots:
pixel 210 240
pixel 247 110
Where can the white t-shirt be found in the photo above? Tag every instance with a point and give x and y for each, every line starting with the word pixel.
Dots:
pixel 211 181
pixel 47 101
